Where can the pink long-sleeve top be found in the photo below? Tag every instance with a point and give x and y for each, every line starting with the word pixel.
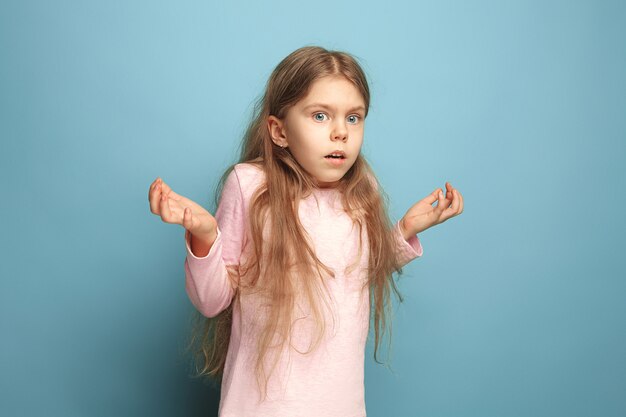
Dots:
pixel 327 382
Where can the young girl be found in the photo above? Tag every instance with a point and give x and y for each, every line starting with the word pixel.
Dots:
pixel 300 247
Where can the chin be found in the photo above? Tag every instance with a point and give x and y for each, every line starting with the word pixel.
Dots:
pixel 334 178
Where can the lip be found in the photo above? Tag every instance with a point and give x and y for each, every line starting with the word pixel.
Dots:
pixel 337 162
pixel 338 151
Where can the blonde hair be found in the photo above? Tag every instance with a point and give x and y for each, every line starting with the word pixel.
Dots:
pixel 285 184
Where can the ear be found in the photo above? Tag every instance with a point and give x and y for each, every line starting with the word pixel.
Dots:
pixel 276 128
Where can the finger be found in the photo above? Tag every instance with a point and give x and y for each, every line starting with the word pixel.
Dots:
pixel 445 201
pixel 155 198
pixel 449 189
pixel 441 201
pixel 166 188
pixel 432 197
pixel 460 201
pixel 454 207
pixel 170 193
pixel 166 213
pixel 151 188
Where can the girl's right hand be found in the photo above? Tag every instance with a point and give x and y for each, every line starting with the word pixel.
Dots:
pixel 176 209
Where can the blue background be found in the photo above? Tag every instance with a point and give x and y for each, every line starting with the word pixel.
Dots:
pixel 517 307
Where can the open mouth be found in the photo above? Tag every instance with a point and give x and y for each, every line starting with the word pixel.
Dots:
pixel 336 155
pixel 336 159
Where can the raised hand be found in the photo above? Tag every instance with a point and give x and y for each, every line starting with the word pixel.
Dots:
pixel 423 215
pixel 176 209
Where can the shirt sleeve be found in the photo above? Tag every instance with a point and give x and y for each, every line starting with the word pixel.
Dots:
pixel 407 249
pixel 207 282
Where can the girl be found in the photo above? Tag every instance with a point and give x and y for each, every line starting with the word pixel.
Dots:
pixel 300 247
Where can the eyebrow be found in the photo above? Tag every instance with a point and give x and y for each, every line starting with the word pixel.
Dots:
pixel 326 106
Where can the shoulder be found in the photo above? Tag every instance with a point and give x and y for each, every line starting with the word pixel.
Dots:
pixel 248 173
pixel 248 170
pixel 248 176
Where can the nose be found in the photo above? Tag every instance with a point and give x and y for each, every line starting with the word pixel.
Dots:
pixel 340 132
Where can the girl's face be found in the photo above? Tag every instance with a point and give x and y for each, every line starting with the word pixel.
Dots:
pixel 329 119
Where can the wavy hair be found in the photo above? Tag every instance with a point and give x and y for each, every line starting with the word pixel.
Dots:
pixel 287 248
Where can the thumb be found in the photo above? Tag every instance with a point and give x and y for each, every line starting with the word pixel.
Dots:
pixel 187 219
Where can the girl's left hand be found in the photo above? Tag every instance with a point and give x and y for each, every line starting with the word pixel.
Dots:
pixel 423 215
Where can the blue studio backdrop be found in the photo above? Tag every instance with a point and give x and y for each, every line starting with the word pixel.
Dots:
pixel 517 307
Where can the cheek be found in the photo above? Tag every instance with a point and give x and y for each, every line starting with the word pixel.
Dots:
pixel 358 140
pixel 311 140
pixel 302 136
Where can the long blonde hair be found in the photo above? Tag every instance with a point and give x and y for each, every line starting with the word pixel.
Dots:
pixel 285 184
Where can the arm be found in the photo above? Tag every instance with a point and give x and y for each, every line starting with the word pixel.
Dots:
pixel 200 246
pixel 408 248
pixel 408 245
pixel 207 281
pixel 423 216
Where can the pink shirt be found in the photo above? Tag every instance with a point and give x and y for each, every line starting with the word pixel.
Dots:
pixel 328 382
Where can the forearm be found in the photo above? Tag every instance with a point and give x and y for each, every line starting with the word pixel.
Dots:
pixel 409 247
pixel 201 245
pixel 405 234
pixel 207 280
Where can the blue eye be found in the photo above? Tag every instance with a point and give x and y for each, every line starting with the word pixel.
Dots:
pixel 353 117
pixel 317 118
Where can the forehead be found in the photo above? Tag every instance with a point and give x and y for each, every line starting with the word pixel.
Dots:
pixel 333 91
